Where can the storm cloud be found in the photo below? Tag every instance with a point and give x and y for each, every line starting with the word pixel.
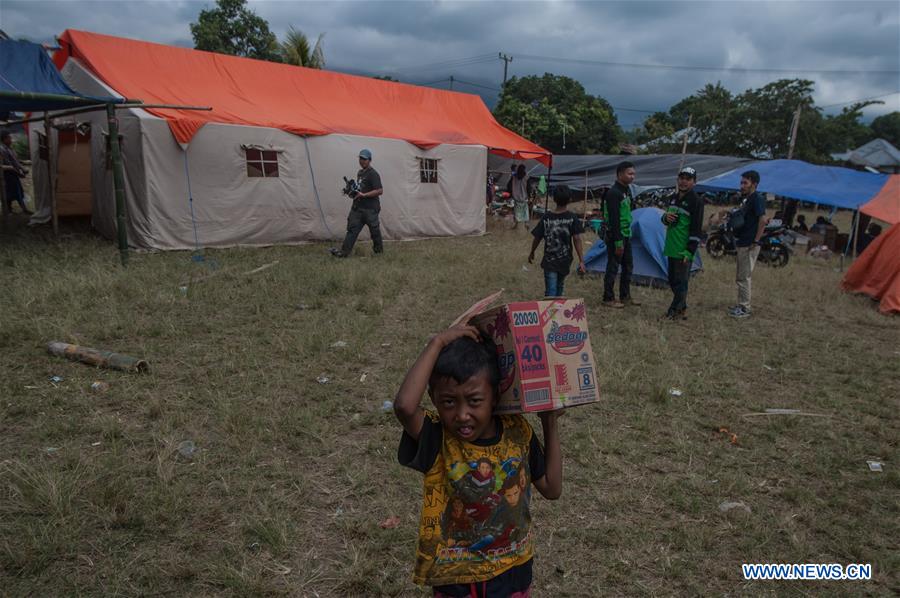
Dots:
pixel 850 49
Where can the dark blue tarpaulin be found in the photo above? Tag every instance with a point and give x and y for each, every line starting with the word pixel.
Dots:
pixel 827 185
pixel 648 237
pixel 26 70
pixel 652 170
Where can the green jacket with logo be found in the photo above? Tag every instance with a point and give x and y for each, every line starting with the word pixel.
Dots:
pixel 617 213
pixel 683 235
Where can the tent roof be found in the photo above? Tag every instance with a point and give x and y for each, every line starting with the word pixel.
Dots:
pixel 298 100
pixel 652 169
pixel 829 185
pixel 878 153
pixel 26 70
pixel 886 204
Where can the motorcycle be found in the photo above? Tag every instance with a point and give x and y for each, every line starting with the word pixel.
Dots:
pixel 773 249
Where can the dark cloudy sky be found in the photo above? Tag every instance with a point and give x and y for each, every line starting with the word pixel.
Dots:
pixel 850 49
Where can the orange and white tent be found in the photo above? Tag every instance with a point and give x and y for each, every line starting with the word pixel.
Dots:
pixel 265 165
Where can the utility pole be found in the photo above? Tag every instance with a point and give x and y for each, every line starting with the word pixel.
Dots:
pixel 684 141
pixel 794 126
pixel 789 207
pixel 564 131
pixel 506 60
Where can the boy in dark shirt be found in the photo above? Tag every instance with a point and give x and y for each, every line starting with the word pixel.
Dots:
pixel 560 230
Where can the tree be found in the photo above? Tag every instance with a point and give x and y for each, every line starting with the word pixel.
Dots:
pixel 232 28
pixel 295 50
pixel 757 123
pixel 542 108
pixel 887 127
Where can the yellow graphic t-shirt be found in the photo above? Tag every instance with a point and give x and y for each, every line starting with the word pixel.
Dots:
pixel 475 522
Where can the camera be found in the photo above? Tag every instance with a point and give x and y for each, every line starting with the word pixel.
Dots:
pixel 351 188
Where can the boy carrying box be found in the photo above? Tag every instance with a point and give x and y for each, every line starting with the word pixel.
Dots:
pixel 475 530
pixel 559 229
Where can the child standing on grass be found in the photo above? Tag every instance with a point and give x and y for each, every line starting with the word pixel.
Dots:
pixel 560 230
pixel 475 530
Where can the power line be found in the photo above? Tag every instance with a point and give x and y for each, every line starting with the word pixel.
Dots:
pixel 884 95
pixel 476 84
pixel 444 64
pixel 703 68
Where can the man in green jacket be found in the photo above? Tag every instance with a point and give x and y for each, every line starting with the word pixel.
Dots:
pixel 617 214
pixel 684 224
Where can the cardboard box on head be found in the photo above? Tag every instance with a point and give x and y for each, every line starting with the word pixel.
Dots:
pixel 544 350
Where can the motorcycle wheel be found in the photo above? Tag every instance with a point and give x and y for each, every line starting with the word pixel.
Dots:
pixel 715 247
pixel 778 257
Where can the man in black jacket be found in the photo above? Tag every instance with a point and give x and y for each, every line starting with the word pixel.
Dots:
pixel 684 225
pixel 617 214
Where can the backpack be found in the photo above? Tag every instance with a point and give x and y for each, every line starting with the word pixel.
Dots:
pixel 737 218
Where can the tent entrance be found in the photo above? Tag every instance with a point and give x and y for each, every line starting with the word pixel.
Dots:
pixel 73 171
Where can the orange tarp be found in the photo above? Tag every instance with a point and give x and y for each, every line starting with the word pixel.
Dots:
pixel 886 205
pixel 302 101
pixel 876 272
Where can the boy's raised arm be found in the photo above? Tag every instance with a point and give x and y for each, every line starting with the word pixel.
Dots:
pixel 550 486
pixel 407 406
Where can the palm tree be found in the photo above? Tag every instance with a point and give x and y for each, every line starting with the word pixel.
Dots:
pixel 295 50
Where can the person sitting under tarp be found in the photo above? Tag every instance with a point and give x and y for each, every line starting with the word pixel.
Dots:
pixel 865 238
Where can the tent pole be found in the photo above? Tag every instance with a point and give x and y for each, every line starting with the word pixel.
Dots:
pixel 118 181
pixel 51 182
pixel 584 210
pixel 547 197
pixel 853 235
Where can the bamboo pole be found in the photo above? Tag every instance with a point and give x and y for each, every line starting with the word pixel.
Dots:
pixel 51 180
pixel 98 357
pixel 117 107
pixel 118 181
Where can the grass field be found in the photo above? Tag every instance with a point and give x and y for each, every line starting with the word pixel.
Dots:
pixel 290 477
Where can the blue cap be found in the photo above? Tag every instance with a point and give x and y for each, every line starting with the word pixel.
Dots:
pixel 365 154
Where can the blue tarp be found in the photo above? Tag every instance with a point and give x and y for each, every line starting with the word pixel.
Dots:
pixel 828 185
pixel 26 68
pixel 648 236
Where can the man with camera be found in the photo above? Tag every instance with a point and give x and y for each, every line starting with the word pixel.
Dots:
pixel 748 223
pixel 366 207
pixel 684 221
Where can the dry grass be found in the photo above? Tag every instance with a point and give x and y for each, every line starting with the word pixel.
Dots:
pixel 291 477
